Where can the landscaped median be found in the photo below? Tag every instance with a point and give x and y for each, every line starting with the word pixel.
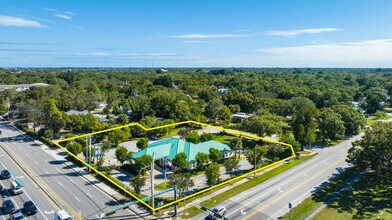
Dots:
pixel 213 201
pixel 308 205
pixel 369 198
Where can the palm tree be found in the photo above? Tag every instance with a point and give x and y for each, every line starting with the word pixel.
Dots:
pixel 236 145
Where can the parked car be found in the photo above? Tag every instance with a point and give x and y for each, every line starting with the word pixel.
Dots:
pixel 17 216
pixel 155 138
pixel 30 208
pixel 5 174
pixel 8 206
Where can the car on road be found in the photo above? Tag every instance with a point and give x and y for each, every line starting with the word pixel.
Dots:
pixel 8 206
pixel 17 216
pixel 218 211
pixel 16 187
pixel 5 174
pixel 29 208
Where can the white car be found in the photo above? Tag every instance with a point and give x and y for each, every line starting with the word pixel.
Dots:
pixel 17 216
pixel 219 210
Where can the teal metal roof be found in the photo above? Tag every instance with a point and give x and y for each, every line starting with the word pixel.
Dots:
pixel 170 147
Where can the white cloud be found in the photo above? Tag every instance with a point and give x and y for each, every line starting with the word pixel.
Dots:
pixel 51 9
pixel 68 15
pixel 63 16
pixel 101 54
pixel 19 22
pixel 161 54
pixel 369 53
pixel 208 36
pixel 292 33
pixel 193 41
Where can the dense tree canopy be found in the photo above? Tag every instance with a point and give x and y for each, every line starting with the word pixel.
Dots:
pixel 374 151
pixel 129 95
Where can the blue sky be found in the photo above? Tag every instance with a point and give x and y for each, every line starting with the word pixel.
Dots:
pixel 202 33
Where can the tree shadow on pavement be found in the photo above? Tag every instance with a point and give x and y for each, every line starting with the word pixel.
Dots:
pixel 364 198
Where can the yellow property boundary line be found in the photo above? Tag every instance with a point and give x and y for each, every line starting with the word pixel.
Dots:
pixel 57 143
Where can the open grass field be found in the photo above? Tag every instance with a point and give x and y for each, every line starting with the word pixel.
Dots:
pixel 366 199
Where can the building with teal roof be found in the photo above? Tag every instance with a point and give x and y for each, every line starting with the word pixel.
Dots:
pixel 168 148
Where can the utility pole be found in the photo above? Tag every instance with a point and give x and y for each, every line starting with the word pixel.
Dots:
pixel 175 199
pixel 8 108
pixel 152 181
pixel 254 155
pixel 89 153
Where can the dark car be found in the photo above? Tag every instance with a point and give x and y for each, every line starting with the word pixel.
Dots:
pixel 8 206
pixel 29 208
pixel 5 174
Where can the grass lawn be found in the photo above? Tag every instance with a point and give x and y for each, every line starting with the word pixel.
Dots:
pixel 172 132
pixel 371 120
pixel 162 186
pixel 189 212
pixel 366 199
pixel 304 152
pixel 252 183
pixel 259 179
pixel 224 138
pixel 336 142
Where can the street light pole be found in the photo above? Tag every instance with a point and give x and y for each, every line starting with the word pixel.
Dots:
pixel 152 181
pixel 254 155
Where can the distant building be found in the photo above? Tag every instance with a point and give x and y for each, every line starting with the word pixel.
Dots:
pixel 85 112
pixel 161 71
pixel 167 149
pixel 241 116
pixel 22 87
pixel 222 91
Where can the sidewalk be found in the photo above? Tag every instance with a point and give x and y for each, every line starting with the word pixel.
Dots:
pixel 60 155
pixel 228 186
pixel 334 195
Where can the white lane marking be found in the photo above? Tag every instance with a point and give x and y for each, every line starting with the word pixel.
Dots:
pixel 7 190
pixel 34 203
pixel 89 195
pixel 60 183
pixel 295 200
pixel 19 177
pixel 306 175
pixel 36 162
pixel 280 190
pixel 261 195
pixel 27 155
pixel 72 181
pixel 278 178
pixel 2 155
pixel 77 198
pixel 47 172
pixel 243 212
pixel 51 212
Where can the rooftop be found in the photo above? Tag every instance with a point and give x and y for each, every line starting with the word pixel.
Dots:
pixel 170 147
